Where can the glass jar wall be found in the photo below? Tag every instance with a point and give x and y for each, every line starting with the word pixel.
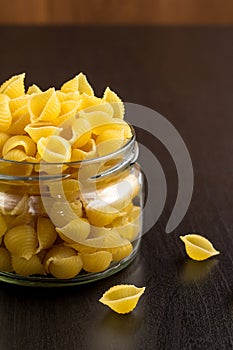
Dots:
pixel 72 223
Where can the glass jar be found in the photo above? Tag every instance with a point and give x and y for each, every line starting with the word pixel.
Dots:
pixel 70 223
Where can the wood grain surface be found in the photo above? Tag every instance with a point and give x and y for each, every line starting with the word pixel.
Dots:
pixel 116 12
pixel 185 74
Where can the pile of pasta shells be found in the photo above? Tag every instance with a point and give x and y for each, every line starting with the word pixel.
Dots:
pixel 67 233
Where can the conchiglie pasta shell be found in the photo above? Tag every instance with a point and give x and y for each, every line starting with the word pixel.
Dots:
pixel 54 149
pixel 3 138
pixel 78 83
pixel 81 133
pixel 68 111
pixel 109 146
pixel 25 267
pixel 81 248
pixel 18 102
pixel 121 252
pixel 21 241
pixel 66 267
pixel 122 298
pixel 12 169
pixel 100 214
pixel 16 220
pixel 76 230
pixel 3 225
pixel 88 151
pixel 4 98
pixel 5 116
pixel 5 260
pixel 57 252
pixel 20 142
pixel 34 89
pixel 87 102
pixel 62 212
pixel 198 247
pixel 15 205
pixel 44 106
pixel 16 155
pixel 20 119
pixel 96 262
pixel 117 104
pixel 38 130
pixel 46 233
pixel 97 105
pixel 13 87
pixel 70 96
pixel 67 189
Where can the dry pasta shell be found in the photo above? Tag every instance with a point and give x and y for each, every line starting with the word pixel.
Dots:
pixel 198 247
pixel 38 130
pixel 54 149
pixel 86 152
pixel 76 230
pixel 100 214
pixel 121 252
pixel 62 212
pixel 5 260
pixel 117 104
pixel 5 115
pixel 34 89
pixel 20 119
pixel 3 138
pixel 24 267
pixel 69 96
pixel 122 298
pixel 15 205
pixel 87 102
pixel 67 189
pixel 66 267
pixel 81 248
pixel 81 133
pixel 95 105
pixel 68 110
pixel 78 83
pixel 19 102
pixel 96 262
pixel 57 252
pixel 44 106
pixel 110 145
pixel 16 154
pixel 21 241
pixel 46 233
pixel 3 225
pixel 14 87
pixel 22 142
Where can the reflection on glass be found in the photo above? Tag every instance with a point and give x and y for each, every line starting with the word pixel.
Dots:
pixel 195 271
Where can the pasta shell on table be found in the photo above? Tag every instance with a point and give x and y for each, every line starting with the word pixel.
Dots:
pixel 21 241
pixel 5 113
pixel 3 138
pixel 96 262
pixel 3 225
pixel 66 268
pixel 100 214
pixel 78 83
pixel 27 267
pixel 44 106
pixel 5 260
pixel 46 233
pixel 22 142
pixel 117 104
pixel 88 151
pixel 198 247
pixel 14 87
pixel 57 252
pixel 54 149
pixel 38 130
pixel 81 133
pixel 122 298
pixel 34 89
pixel 76 230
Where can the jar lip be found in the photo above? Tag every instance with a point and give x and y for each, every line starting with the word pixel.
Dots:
pixel 109 156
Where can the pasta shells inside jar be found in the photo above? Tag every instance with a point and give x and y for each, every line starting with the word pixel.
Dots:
pixel 70 191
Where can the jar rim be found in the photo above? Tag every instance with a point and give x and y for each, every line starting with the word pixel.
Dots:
pixel 106 157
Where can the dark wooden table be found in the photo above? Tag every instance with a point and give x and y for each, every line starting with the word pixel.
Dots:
pixel 187 75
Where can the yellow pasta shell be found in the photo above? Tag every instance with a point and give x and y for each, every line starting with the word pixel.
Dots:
pixel 28 267
pixel 66 267
pixel 86 152
pixel 21 241
pixel 76 230
pixel 5 115
pixel 20 119
pixel 69 96
pixel 16 155
pixel 81 133
pixel 15 205
pixel 5 260
pixel 13 87
pixel 67 189
pixel 122 298
pixel 100 214
pixel 3 225
pixel 198 247
pixel 78 83
pixel 3 138
pixel 18 102
pixel 96 262
pixel 44 106
pixel 22 142
pixel 87 102
pixel 54 149
pixel 68 110
pixel 62 212
pixel 117 104
pixel 57 252
pixel 46 233
pixel 81 248
pixel 109 141
pixel 34 89
pixel 38 130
